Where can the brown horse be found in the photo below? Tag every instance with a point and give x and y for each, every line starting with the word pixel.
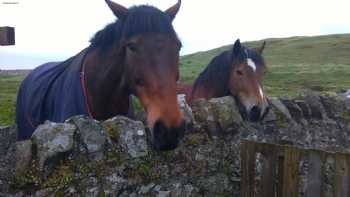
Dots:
pixel 238 72
pixel 138 55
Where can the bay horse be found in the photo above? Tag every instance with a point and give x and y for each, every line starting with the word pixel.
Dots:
pixel 238 72
pixel 138 54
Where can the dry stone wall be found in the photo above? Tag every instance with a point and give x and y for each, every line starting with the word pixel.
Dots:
pixel 84 157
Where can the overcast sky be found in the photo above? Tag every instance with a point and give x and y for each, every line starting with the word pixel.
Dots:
pixel 51 30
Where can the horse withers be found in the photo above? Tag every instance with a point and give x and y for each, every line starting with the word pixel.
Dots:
pixel 238 72
pixel 138 55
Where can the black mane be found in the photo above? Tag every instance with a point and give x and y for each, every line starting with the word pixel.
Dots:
pixel 140 20
pixel 217 73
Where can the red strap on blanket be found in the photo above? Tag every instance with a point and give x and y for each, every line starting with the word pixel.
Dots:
pixel 83 85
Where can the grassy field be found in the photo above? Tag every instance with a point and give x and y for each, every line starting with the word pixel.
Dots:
pixel 320 63
pixel 8 90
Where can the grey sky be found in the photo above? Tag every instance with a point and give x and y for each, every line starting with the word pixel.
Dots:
pixel 51 30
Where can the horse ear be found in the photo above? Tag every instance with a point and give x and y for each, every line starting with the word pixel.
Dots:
pixel 118 10
pixel 173 10
pixel 236 48
pixel 260 50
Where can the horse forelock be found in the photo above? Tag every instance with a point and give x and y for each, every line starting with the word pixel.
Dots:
pixel 140 20
pixel 253 59
pixel 147 19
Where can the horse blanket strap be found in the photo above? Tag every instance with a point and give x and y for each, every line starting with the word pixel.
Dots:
pixel 53 91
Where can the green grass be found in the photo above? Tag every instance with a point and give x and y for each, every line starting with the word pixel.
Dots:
pixel 289 80
pixel 320 63
pixel 8 90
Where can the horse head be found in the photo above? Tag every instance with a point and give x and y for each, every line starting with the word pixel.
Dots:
pixel 149 48
pixel 245 80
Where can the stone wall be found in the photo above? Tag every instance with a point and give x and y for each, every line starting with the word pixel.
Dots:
pixel 84 157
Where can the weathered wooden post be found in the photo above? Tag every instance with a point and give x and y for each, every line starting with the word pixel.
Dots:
pixel 280 175
pixel 7 36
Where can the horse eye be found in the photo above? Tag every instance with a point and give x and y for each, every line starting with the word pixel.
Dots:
pixel 239 72
pixel 131 46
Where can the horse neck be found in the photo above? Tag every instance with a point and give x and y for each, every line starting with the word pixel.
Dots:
pixel 104 73
pixel 207 90
pixel 212 82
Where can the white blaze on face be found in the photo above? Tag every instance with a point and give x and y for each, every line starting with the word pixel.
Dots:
pixel 251 63
pixel 261 92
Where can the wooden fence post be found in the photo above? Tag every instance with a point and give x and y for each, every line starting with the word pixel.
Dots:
pixel 316 172
pixel 280 172
pixel 342 179
pixel 268 179
pixel 248 159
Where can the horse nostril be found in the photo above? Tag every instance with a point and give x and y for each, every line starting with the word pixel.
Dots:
pixel 254 114
pixel 167 138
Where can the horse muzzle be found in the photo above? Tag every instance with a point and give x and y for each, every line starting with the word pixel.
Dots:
pixel 257 113
pixel 167 138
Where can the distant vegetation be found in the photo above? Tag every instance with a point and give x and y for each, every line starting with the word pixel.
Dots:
pixel 321 63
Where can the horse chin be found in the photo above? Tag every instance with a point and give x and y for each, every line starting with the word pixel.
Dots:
pixel 248 115
pixel 164 138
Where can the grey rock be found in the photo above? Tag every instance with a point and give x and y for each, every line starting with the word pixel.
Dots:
pixel 128 194
pixel 278 105
pixel 93 136
pixel 18 194
pixel 215 185
pixel 188 190
pixel 51 139
pixel 157 188
pixel 345 94
pixel 307 113
pixel 178 189
pixel 90 187
pixel 114 183
pixel 8 136
pixel 313 99
pixel 294 110
pixel 163 194
pixel 269 117
pixel 336 107
pixel 43 193
pixel 217 115
pixel 146 188
pixel 71 191
pixel 131 135
pixel 185 109
pixel 225 112
pixel 203 115
pixel 23 156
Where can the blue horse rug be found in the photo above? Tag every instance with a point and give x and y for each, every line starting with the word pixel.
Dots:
pixel 53 91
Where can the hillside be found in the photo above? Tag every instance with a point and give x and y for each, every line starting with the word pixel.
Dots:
pixel 319 62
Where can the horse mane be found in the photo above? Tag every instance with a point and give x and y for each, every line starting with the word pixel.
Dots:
pixel 218 68
pixel 140 20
